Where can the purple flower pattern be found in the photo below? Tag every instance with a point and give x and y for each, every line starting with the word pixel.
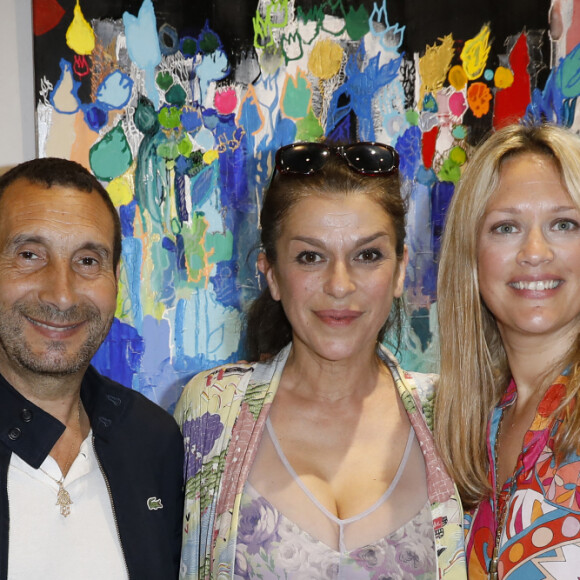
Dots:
pixel 258 526
pixel 200 435
pixel 270 547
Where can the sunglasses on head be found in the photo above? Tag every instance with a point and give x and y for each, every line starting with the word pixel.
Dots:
pixel 366 158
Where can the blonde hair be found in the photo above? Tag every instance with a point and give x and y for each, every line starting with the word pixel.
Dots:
pixel 474 368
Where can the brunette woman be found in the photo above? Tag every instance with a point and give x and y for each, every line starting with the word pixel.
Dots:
pixel 317 461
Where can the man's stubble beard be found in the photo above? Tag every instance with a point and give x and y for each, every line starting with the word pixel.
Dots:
pixel 16 348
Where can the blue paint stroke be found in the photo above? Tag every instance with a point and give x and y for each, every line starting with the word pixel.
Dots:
pixel 121 354
pixel 115 91
pixel 421 270
pixel 132 261
pixel 359 89
pixel 409 148
pixel 441 194
pixel 66 71
pixel 391 37
pixel 143 45
pixel 211 68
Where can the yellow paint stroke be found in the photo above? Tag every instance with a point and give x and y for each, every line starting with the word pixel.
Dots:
pixel 210 156
pixel 142 225
pixel 475 52
pixel 120 311
pixel 503 77
pixel 120 191
pixel 434 65
pixel 80 36
pixel 457 77
pixel 325 59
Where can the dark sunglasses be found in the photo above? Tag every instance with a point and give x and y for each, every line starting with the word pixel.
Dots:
pixel 367 158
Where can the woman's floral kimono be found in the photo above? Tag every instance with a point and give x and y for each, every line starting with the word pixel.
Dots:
pixel 222 414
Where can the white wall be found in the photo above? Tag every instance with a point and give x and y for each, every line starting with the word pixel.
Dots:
pixel 17 127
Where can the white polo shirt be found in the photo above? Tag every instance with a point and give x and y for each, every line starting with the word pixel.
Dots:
pixel 45 544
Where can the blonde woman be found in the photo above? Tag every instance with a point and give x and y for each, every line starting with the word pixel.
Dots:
pixel 507 414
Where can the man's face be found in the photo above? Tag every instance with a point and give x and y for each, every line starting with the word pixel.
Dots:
pixel 58 286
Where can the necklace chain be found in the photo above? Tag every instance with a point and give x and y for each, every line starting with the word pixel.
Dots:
pixel 502 496
pixel 63 499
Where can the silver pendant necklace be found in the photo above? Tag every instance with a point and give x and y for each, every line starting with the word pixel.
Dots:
pixel 63 499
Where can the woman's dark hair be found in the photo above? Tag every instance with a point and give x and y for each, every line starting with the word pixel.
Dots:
pixel 268 329
pixel 49 171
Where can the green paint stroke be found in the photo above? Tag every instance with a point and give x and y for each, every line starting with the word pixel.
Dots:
pixel 195 253
pixel 263 25
pixel 458 155
pixel 176 96
pixel 412 117
pixel 185 146
pixel 168 150
pixel 111 156
pixel 145 117
pixel 357 22
pixel 164 80
pixel 222 245
pixel 170 117
pixel 209 42
pixel 309 128
pixel 297 98
pixel 450 171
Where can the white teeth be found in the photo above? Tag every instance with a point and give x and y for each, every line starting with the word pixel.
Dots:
pixel 536 286
pixel 53 328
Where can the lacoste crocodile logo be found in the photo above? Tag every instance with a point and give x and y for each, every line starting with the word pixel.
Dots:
pixel 154 504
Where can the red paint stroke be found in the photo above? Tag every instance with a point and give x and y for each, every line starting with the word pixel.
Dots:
pixel 428 149
pixel 47 14
pixel 81 65
pixel 511 102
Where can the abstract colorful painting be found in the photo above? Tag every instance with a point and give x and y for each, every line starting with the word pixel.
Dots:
pixel 178 107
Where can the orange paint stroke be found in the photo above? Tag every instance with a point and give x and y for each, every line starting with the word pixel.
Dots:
pixel 457 77
pixel 478 98
pixel 85 138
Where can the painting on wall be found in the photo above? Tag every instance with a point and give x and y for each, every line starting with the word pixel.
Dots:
pixel 177 107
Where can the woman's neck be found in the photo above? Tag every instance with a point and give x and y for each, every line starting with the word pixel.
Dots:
pixel 324 380
pixel 535 361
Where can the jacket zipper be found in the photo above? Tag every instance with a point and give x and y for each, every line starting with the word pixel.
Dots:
pixel 112 507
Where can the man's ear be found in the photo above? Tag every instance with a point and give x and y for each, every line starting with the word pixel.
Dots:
pixel 268 270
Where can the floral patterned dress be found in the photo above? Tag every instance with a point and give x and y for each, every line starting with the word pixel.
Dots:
pixel 540 537
pixel 223 413
pixel 272 546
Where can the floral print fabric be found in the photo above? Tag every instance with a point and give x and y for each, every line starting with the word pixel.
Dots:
pixel 541 536
pixel 222 414
pixel 271 547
